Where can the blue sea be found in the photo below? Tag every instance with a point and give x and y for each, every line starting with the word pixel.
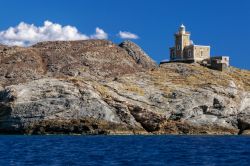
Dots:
pixel 124 150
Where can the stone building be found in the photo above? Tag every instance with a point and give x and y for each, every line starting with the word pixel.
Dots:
pixel 185 50
pixel 218 62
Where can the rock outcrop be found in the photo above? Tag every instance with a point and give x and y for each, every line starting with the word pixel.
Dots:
pixel 50 102
pixel 138 54
pixel 97 87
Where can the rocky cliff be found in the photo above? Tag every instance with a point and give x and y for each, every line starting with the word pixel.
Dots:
pixel 98 87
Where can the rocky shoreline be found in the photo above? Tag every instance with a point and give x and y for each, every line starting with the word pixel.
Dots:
pixel 98 87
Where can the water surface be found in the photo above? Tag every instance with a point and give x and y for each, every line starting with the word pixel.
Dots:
pixel 124 150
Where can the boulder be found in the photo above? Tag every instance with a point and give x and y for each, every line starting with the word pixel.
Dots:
pixel 138 54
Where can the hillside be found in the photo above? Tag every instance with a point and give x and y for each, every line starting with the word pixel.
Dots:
pixel 98 87
pixel 93 59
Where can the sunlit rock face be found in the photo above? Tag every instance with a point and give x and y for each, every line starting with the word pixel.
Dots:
pixel 98 87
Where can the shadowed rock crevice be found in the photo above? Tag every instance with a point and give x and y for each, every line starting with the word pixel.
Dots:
pixel 67 126
pixel 244 125
pixel 8 124
pixel 149 120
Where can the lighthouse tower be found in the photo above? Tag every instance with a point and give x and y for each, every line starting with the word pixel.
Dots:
pixel 185 50
pixel 182 39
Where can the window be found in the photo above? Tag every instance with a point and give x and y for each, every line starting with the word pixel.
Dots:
pixel 201 53
pixel 178 47
pixel 173 55
pixel 189 53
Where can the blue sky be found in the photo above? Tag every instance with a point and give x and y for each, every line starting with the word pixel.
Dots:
pixel 222 24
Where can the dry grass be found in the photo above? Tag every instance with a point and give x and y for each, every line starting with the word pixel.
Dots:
pixel 196 76
pixel 133 88
pixel 77 81
pixel 241 77
pixel 104 91
pixel 168 79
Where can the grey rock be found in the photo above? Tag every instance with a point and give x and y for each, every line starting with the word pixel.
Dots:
pixel 51 99
pixel 97 87
pixel 138 54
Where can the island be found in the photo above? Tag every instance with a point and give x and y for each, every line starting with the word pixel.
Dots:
pixel 99 87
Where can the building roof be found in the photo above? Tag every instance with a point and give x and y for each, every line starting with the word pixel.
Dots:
pixel 200 46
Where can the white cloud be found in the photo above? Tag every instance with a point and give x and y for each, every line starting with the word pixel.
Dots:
pixel 127 35
pixel 27 34
pixel 99 34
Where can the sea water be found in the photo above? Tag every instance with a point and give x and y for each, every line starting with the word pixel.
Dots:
pixel 124 150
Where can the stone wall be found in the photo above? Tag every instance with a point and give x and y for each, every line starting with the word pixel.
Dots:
pixel 178 45
pixel 188 52
pixel 172 53
pixel 219 63
pixel 201 53
pixel 185 40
